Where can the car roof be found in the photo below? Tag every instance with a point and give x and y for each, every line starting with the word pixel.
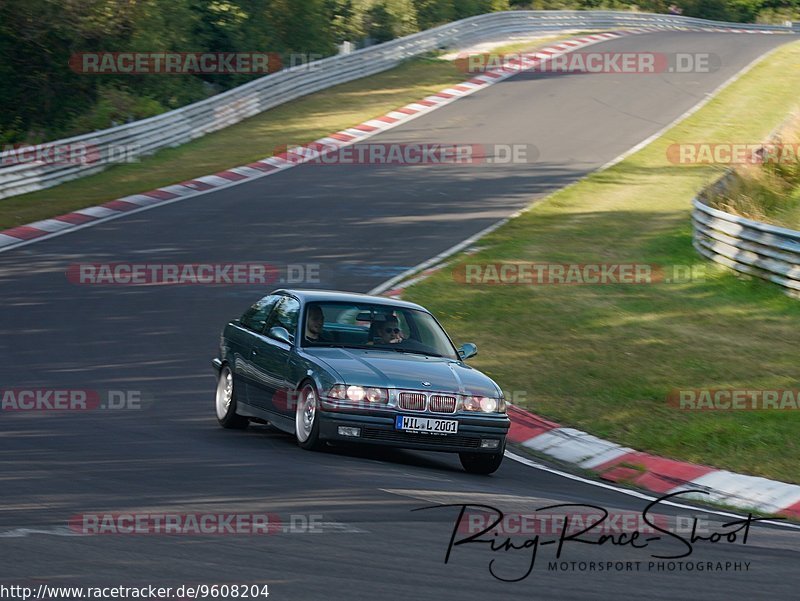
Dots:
pixel 306 296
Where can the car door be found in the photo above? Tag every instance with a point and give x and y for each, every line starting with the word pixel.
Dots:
pixel 271 390
pixel 241 339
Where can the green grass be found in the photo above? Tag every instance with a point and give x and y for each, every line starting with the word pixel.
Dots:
pixel 304 120
pixel 768 192
pixel 604 357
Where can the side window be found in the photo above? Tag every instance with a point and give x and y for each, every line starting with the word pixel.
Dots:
pixel 285 316
pixel 256 316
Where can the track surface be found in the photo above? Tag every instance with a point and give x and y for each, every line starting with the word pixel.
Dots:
pixel 363 225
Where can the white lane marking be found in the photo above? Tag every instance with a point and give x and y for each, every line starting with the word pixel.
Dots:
pixel 636 493
pixel 387 285
pixel 709 97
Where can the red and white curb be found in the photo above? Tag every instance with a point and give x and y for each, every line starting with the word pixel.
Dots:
pixel 623 465
pixel 40 230
pixel 620 464
pixel 62 224
pixel 611 461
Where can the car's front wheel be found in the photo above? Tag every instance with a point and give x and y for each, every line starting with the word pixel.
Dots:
pixel 306 419
pixel 481 463
pixel 226 402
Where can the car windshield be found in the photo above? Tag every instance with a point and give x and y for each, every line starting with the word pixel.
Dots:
pixel 378 327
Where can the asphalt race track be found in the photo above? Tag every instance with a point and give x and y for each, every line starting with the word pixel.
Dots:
pixel 362 225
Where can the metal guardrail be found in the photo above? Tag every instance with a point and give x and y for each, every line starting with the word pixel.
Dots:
pixel 758 249
pixel 179 126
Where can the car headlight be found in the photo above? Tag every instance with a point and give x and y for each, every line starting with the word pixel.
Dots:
pixel 369 395
pixel 356 393
pixel 488 405
pixel 338 392
pixel 484 404
pixel 377 395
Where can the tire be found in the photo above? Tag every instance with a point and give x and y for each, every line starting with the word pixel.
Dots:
pixel 306 419
pixel 479 463
pixel 226 402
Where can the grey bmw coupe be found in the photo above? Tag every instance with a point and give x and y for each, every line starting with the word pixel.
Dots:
pixel 331 366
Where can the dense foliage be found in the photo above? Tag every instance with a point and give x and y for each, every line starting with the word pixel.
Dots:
pixel 42 98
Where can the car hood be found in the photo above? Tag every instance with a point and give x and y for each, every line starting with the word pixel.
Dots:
pixel 390 369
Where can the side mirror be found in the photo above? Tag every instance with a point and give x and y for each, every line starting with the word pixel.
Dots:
pixel 467 350
pixel 279 333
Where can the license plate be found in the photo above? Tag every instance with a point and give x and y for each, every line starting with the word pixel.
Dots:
pixel 426 425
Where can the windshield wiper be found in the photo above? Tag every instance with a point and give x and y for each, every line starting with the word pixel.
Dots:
pixel 411 351
pixel 335 345
pixel 375 348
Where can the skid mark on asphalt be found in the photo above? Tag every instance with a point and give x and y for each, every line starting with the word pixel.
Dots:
pixel 762 537
pixel 508 502
pixel 49 530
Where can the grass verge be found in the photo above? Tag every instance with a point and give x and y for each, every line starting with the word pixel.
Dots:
pixel 604 357
pixel 300 121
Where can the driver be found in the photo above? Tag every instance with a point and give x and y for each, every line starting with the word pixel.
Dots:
pixel 390 331
pixel 315 319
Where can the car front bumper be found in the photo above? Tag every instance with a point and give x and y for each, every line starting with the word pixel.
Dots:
pixel 380 430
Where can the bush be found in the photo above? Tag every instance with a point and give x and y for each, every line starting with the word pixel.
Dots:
pixel 769 191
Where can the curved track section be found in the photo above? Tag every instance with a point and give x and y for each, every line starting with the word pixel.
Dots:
pixel 362 225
